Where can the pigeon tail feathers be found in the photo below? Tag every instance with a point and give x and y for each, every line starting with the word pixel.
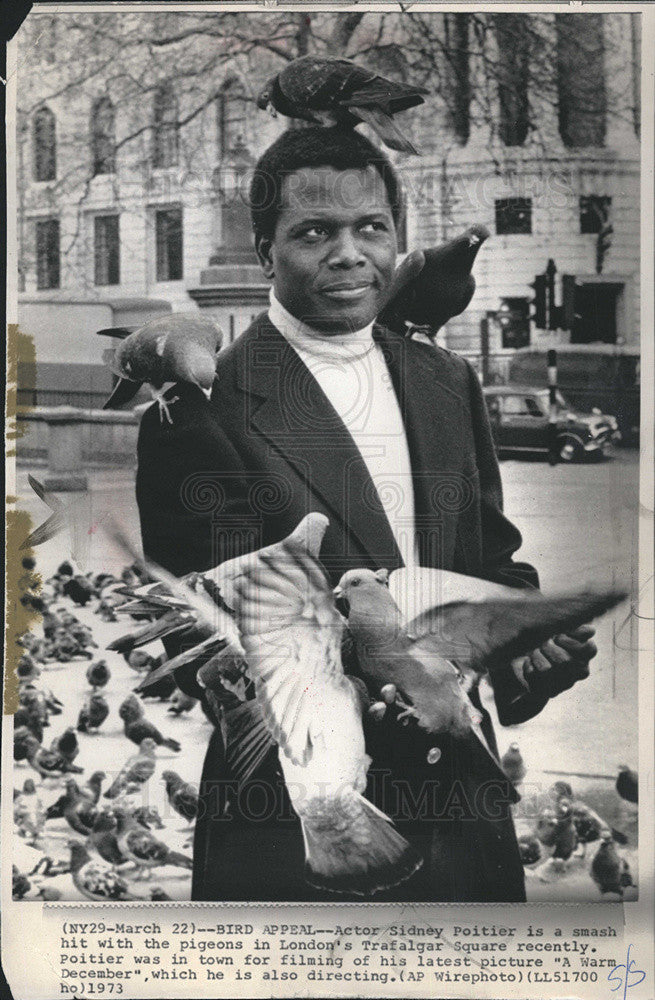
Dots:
pixel 369 856
pixel 385 127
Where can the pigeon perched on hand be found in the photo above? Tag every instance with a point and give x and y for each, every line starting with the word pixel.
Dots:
pixel 431 286
pixel 179 347
pixel 417 655
pixel 137 728
pixel 339 92
pixel 136 771
pixel 291 633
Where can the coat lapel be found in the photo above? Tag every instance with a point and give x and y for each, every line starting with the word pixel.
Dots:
pixel 433 417
pixel 287 406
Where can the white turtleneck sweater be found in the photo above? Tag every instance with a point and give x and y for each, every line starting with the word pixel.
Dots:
pixel 351 370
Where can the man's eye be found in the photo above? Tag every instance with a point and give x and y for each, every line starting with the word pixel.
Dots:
pixel 374 226
pixel 314 232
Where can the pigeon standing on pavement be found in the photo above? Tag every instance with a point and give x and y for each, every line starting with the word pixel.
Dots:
pixel 29 814
pixel 431 294
pixel 48 763
pixel 93 713
pixel 179 347
pixel 79 811
pixel 339 92
pixel 142 847
pixel 136 771
pixel 627 784
pixel 98 674
pixel 609 870
pixel 513 764
pixel 66 745
pixel 96 880
pixel 137 727
pixel 181 703
pixel 181 795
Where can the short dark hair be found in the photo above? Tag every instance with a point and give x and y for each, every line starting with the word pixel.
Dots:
pixel 315 146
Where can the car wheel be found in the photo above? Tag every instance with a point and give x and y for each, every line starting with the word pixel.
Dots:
pixel 570 449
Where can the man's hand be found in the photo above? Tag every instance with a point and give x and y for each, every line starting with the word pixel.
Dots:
pixel 558 664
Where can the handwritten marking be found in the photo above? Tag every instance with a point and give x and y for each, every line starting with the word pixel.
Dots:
pixel 617 977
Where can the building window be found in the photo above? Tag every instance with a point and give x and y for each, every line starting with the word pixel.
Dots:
pixel 47 254
pixel 513 215
pixel 44 144
pixel 581 79
pixel 231 106
pixel 594 212
pixel 512 33
pixel 106 250
pixel 165 125
pixel 103 137
pixel 168 234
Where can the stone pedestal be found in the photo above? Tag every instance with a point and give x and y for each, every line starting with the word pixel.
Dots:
pixel 65 451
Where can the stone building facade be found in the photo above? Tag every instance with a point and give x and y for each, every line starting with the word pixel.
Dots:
pixel 138 206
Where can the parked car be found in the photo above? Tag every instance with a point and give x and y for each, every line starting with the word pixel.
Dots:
pixel 603 376
pixel 519 422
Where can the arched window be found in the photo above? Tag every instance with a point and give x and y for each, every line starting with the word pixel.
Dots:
pixel 103 137
pixel 165 126
pixel 513 37
pixel 231 105
pixel 44 145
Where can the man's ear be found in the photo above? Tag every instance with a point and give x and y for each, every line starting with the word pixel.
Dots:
pixel 382 576
pixel 264 246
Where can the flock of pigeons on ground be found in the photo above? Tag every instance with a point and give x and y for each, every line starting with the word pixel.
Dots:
pixel 113 843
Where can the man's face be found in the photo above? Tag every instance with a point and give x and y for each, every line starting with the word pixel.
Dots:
pixel 334 250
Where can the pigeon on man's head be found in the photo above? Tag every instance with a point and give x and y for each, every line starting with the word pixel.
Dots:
pixel 179 347
pixel 431 286
pixel 339 92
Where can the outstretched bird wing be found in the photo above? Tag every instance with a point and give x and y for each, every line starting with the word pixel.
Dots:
pixel 291 632
pixel 479 635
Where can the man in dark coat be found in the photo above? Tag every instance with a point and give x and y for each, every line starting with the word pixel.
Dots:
pixel 275 441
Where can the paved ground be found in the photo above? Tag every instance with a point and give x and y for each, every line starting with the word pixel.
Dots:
pixel 579 526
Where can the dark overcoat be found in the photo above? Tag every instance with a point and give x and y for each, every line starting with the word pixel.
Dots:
pixel 239 471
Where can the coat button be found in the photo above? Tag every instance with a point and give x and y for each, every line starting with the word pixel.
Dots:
pixel 434 755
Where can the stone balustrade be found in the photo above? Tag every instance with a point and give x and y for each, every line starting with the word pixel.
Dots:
pixel 70 440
